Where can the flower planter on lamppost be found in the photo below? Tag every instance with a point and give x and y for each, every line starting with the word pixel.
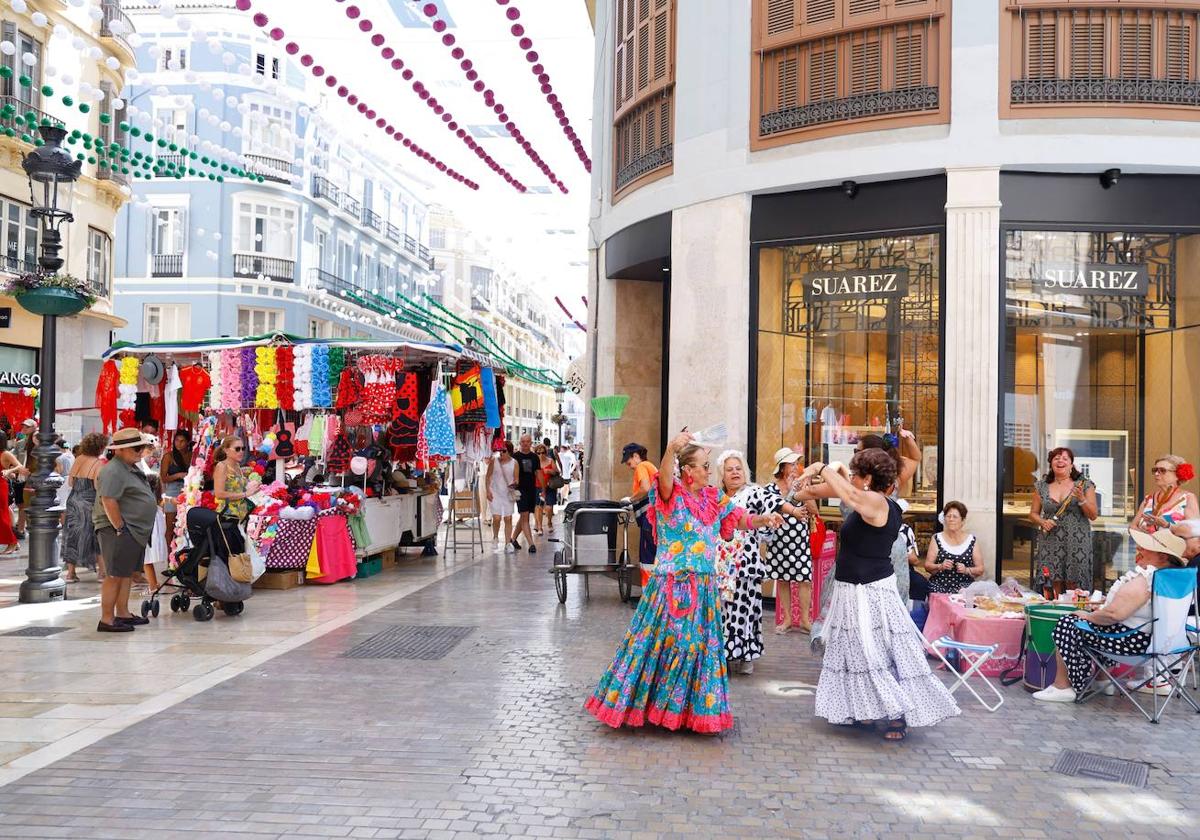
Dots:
pixel 52 175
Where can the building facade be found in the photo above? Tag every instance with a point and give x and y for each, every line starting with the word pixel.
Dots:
pixel 327 244
pixel 819 219
pixel 61 48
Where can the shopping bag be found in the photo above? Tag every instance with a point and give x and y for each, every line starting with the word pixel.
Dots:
pixel 313 568
pixel 258 561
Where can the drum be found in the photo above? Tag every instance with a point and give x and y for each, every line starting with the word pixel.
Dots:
pixel 1039 643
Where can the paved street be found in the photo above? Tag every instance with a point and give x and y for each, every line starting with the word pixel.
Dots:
pixel 491 740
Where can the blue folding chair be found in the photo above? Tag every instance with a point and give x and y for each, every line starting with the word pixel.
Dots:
pixel 1172 650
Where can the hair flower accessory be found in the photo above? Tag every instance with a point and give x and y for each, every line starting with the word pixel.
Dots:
pixel 1185 472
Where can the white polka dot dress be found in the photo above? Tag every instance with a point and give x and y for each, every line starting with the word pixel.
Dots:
pixel 789 553
pixel 742 613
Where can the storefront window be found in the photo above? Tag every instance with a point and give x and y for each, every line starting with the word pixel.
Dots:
pixel 1102 346
pixel 848 345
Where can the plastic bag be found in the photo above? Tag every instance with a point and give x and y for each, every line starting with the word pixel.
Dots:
pixel 985 588
pixel 1010 588
pixel 258 561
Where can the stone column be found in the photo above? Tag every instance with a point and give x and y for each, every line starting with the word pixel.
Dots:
pixel 971 310
pixel 708 363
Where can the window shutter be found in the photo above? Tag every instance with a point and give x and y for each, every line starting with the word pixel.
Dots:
pixel 910 61
pixel 864 7
pixel 1041 52
pixel 865 69
pixel 1087 50
pixel 662 44
pixel 817 16
pixel 1137 61
pixel 643 54
pixel 822 74
pixel 8 86
pixel 789 83
pixel 664 123
pixel 181 236
pixel 781 16
pixel 1179 52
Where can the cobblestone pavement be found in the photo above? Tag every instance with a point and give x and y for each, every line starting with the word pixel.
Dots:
pixel 492 740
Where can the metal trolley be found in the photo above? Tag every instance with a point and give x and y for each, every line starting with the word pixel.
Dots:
pixel 590 546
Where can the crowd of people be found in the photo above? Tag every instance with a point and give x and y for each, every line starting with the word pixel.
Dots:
pixel 528 482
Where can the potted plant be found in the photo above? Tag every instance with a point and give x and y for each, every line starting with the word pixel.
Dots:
pixel 51 294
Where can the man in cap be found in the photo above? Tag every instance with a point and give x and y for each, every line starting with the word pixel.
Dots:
pixel 644 476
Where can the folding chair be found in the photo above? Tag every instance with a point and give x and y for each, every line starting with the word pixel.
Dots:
pixel 975 657
pixel 1172 650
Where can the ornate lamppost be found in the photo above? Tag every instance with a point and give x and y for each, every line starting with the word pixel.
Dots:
pixel 52 173
pixel 558 419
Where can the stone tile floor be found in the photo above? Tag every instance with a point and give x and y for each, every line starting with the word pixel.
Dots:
pixel 492 740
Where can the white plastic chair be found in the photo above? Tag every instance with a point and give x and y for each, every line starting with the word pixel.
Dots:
pixel 975 657
pixel 1172 650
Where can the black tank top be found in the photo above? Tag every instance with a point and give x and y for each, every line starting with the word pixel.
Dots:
pixel 864 551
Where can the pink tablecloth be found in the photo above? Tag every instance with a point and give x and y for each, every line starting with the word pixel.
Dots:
pixel 947 618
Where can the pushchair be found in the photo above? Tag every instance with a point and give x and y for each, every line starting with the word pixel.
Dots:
pixel 187 580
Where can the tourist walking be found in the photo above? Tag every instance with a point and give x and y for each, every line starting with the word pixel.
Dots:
pixel 670 669
pixel 79 546
pixel 124 519
pixel 500 477
pixel 1169 503
pixel 528 464
pixel 789 553
pixel 874 668
pixel 953 559
pixel 10 469
pixel 23 450
pixel 547 484
pixel 1062 508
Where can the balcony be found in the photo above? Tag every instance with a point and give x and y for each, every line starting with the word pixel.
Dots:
pixel 99 286
pixel 111 13
pixel 26 113
pixel 1105 59
pixel 172 163
pixel 112 173
pixel 351 205
pixel 393 233
pixel 272 168
pixel 272 268
pixel 14 264
pixel 166 265
pixel 372 219
pixel 319 278
pixel 644 140
pixel 324 188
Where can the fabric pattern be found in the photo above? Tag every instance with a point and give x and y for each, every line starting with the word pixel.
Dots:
pixel 952 582
pixel 79 544
pixel 742 610
pixel 235 482
pixel 292 545
pixel 1069 641
pixel 670 669
pixel 1067 549
pixel 789 553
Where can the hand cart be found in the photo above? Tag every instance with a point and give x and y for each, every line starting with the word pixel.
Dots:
pixel 590 546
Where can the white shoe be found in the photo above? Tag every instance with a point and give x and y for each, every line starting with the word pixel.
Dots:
pixel 746 666
pixel 1161 687
pixel 1106 687
pixel 497 548
pixel 1055 695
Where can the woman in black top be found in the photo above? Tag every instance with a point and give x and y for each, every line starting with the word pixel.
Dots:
pixel 874 666
pixel 172 472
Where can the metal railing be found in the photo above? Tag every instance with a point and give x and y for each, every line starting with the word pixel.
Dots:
pixel 324 188
pixel 351 205
pixel 166 265
pixel 112 172
pixel 319 278
pixel 13 264
pixel 393 233
pixel 644 139
pixel 272 168
pixel 273 268
pixel 98 285
pixel 372 219
pixel 26 111
pixel 110 11
pixel 172 163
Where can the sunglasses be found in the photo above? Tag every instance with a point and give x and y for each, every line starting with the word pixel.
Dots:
pixel 703 466
pixel 239 449
pixel 1162 470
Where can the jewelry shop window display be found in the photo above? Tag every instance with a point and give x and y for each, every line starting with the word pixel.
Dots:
pixel 1102 346
pixel 849 341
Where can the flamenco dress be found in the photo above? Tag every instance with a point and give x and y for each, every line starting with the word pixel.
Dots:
pixel 670 669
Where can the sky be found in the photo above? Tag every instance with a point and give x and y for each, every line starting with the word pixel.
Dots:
pixel 542 234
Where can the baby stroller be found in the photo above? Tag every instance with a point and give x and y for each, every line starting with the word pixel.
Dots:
pixel 189 577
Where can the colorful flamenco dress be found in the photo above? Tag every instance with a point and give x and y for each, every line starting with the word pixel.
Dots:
pixel 670 669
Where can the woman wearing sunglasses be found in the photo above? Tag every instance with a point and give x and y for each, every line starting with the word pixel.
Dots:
pixel 670 670
pixel 232 487
pixel 1169 503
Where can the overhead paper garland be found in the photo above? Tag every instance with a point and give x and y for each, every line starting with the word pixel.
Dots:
pixel 260 20
pixel 539 71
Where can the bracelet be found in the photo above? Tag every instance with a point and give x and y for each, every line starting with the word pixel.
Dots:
pixel 823 468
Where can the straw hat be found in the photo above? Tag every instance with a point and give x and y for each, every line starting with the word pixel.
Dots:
pixel 1162 541
pixel 126 438
pixel 785 456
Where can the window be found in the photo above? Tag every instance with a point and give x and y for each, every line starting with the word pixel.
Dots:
pixel 174 120
pixel 386 199
pixel 173 58
pixel 99 271
pixel 268 130
pixel 437 237
pixel 643 82
pixel 166 322
pixel 20 232
pixel 265 65
pixel 168 230
pixel 264 228
pixel 320 239
pixel 24 43
pixel 256 321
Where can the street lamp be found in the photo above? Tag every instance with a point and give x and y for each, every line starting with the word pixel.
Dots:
pixel 558 419
pixel 52 173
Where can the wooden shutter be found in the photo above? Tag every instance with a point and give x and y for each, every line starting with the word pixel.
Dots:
pixel 643 53
pixel 909 56
pixel 818 16
pixel 1179 52
pixel 781 16
pixel 1041 50
pixel 1134 48
pixel 788 81
pixel 822 73
pixel 661 63
pixel 858 8
pixel 1087 50
pixel 866 70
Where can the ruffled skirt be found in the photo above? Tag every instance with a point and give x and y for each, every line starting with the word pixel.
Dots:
pixel 875 666
pixel 670 669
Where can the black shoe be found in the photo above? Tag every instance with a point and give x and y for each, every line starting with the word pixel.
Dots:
pixel 115 627
pixel 533 549
pixel 516 545
pixel 131 620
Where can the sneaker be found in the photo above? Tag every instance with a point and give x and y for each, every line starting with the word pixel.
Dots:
pixel 1055 695
pixel 1160 686
pixel 1106 687
pixel 746 666
pixel 516 545
pixel 533 549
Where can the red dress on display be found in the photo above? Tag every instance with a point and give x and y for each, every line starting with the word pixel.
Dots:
pixel 7 537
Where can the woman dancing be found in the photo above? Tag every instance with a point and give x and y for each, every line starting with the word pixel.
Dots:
pixel 670 669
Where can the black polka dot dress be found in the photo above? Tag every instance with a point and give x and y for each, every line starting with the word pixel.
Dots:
pixel 950 582
pixel 789 553
pixel 742 612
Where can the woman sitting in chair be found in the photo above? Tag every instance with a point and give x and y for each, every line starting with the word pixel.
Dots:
pixel 1126 608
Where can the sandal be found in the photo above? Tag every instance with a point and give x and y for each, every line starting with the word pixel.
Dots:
pixel 896 730
pixel 863 725
pixel 71 579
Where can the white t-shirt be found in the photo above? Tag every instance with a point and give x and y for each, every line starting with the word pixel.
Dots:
pixel 171 400
pixel 568 463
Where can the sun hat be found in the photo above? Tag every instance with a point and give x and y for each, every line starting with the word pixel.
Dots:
pixel 785 455
pixel 28 421
pixel 151 370
pixel 1162 541
pixel 126 438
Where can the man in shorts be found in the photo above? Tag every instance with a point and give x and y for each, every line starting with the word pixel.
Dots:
pixel 528 465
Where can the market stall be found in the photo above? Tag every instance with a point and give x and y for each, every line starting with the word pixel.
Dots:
pixel 350 438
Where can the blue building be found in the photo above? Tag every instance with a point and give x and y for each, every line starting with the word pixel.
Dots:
pixel 324 245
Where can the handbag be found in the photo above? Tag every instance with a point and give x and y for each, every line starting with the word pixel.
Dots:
pixel 241 569
pixel 556 482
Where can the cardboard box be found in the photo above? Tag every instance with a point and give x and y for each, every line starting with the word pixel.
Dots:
pixel 388 558
pixel 280 580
